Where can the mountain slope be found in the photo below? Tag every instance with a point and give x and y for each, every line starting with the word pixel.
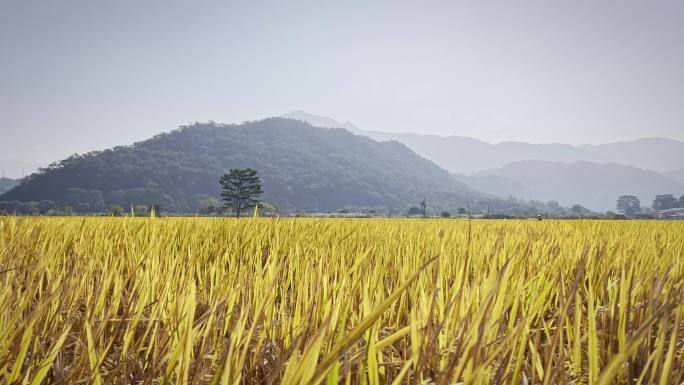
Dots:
pixel 7 184
pixel 302 167
pixel 657 154
pixel 464 155
pixel 497 185
pixel 320 121
pixel 594 185
pixel 677 175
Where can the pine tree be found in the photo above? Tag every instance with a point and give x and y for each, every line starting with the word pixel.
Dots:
pixel 241 189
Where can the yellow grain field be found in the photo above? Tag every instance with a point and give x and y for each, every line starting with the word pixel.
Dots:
pixel 306 301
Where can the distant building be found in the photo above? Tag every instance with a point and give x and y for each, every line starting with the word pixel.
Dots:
pixel 677 213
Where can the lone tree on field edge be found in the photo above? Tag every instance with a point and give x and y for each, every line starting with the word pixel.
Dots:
pixel 241 189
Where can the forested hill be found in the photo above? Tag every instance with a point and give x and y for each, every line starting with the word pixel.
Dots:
pixel 302 167
pixel 7 184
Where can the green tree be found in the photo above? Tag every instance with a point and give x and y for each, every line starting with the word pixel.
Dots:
pixel 446 214
pixel 241 189
pixel 628 205
pixel 461 211
pixel 578 209
pixel 664 202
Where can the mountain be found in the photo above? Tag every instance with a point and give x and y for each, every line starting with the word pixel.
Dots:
pixel 7 184
pixel 12 168
pixel 302 167
pixel 677 175
pixel 659 154
pixel 465 155
pixel 496 185
pixel 594 185
pixel 457 154
pixel 320 121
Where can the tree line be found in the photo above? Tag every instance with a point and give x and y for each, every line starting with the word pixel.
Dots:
pixel 629 205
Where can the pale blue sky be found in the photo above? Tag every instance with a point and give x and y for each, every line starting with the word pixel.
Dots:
pixel 82 75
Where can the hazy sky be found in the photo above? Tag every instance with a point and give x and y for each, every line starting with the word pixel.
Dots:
pixel 81 75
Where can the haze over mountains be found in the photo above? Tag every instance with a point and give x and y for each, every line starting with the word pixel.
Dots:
pixel 305 167
pixel 594 185
pixel 677 175
pixel 321 121
pixel 467 155
pixel 302 168
pixel 591 175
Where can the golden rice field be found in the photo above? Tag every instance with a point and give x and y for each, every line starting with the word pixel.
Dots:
pixel 306 301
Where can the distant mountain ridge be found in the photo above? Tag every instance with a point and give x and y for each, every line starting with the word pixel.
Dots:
pixel 302 167
pixel 591 175
pixel 465 155
pixel 676 175
pixel 321 121
pixel 594 185
pixel 659 154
